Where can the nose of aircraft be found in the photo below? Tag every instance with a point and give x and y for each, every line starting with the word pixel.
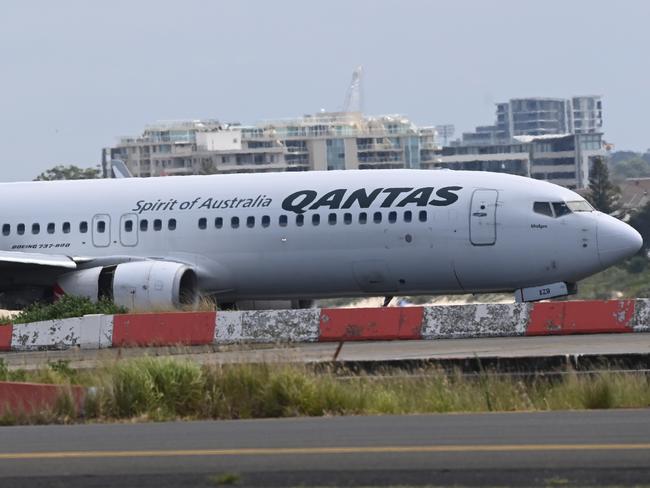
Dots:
pixel 616 240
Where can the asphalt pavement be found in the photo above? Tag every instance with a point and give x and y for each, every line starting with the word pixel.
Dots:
pixel 446 349
pixel 591 448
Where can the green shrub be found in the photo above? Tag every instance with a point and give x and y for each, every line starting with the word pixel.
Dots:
pixel 66 307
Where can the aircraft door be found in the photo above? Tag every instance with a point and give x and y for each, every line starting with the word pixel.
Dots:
pixel 129 230
pixel 482 218
pixel 101 230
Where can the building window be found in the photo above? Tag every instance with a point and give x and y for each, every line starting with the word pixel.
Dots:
pixel 376 218
pixel 203 223
pixel 315 219
pixel 157 224
pixel 250 222
pixel 6 229
pixel 266 221
pixel 423 216
pixel 171 224
pixel 50 228
pixel 234 222
pixel 218 222
pixel 300 220
pixel 66 227
pixel 144 225
pixel 36 228
pixel 408 216
pixel 283 220
pixel 347 218
pixel 83 227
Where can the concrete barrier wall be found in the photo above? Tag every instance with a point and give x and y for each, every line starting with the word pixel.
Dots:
pixel 330 324
pixel 27 398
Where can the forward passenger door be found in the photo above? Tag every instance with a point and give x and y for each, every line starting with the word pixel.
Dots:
pixel 483 218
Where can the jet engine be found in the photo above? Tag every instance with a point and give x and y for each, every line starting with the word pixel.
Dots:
pixel 140 285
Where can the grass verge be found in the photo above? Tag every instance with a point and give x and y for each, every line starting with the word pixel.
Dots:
pixel 165 389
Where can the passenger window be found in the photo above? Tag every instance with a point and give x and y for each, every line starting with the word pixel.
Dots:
pixel 20 229
pixel 300 220
pixel 347 218
pixel 408 216
pixel 266 221
pixel 376 218
pixel 561 209
pixel 36 228
pixel 423 216
pixel 83 227
pixel 6 229
pixel 315 219
pixel 128 226
pixel 101 226
pixel 171 224
pixel 283 220
pixel 332 219
pixel 392 217
pixel 250 221
pixel 234 222
pixel 144 225
pixel 50 228
pixel 203 223
pixel 66 227
pixel 363 217
pixel 157 224
pixel 543 208
pixel 218 222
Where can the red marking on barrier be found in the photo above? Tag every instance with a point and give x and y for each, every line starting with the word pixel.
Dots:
pixel 580 317
pixel 164 329
pixel 26 398
pixel 362 324
pixel 5 337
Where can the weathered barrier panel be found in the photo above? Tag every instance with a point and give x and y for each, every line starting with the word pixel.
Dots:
pixel 330 324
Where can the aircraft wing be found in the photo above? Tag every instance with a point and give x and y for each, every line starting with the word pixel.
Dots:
pixel 36 259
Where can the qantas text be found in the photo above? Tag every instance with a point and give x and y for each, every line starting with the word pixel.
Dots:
pixel 304 200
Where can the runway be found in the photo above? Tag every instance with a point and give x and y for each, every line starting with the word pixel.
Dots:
pixel 506 449
pixel 447 349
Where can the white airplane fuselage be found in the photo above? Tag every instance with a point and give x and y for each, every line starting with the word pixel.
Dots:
pixel 380 232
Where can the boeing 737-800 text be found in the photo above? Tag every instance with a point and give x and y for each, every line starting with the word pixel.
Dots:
pixel 162 242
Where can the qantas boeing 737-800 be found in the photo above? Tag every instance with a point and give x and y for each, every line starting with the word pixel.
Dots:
pixel 162 242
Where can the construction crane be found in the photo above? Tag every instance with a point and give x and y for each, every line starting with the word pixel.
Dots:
pixel 353 97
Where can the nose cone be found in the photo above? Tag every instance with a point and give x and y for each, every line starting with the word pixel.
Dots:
pixel 616 241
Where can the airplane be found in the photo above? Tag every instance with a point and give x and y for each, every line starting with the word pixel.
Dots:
pixel 282 240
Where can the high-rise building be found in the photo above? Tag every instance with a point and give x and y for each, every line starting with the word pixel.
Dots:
pixel 538 117
pixel 325 141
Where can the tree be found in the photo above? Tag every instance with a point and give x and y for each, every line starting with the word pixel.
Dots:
pixel 603 194
pixel 640 220
pixel 70 172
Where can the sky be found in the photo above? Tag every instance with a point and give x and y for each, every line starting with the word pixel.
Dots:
pixel 76 75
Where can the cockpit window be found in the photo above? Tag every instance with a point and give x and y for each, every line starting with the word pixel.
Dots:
pixel 580 206
pixel 561 208
pixel 543 208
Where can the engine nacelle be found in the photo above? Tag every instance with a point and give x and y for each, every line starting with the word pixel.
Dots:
pixel 140 285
